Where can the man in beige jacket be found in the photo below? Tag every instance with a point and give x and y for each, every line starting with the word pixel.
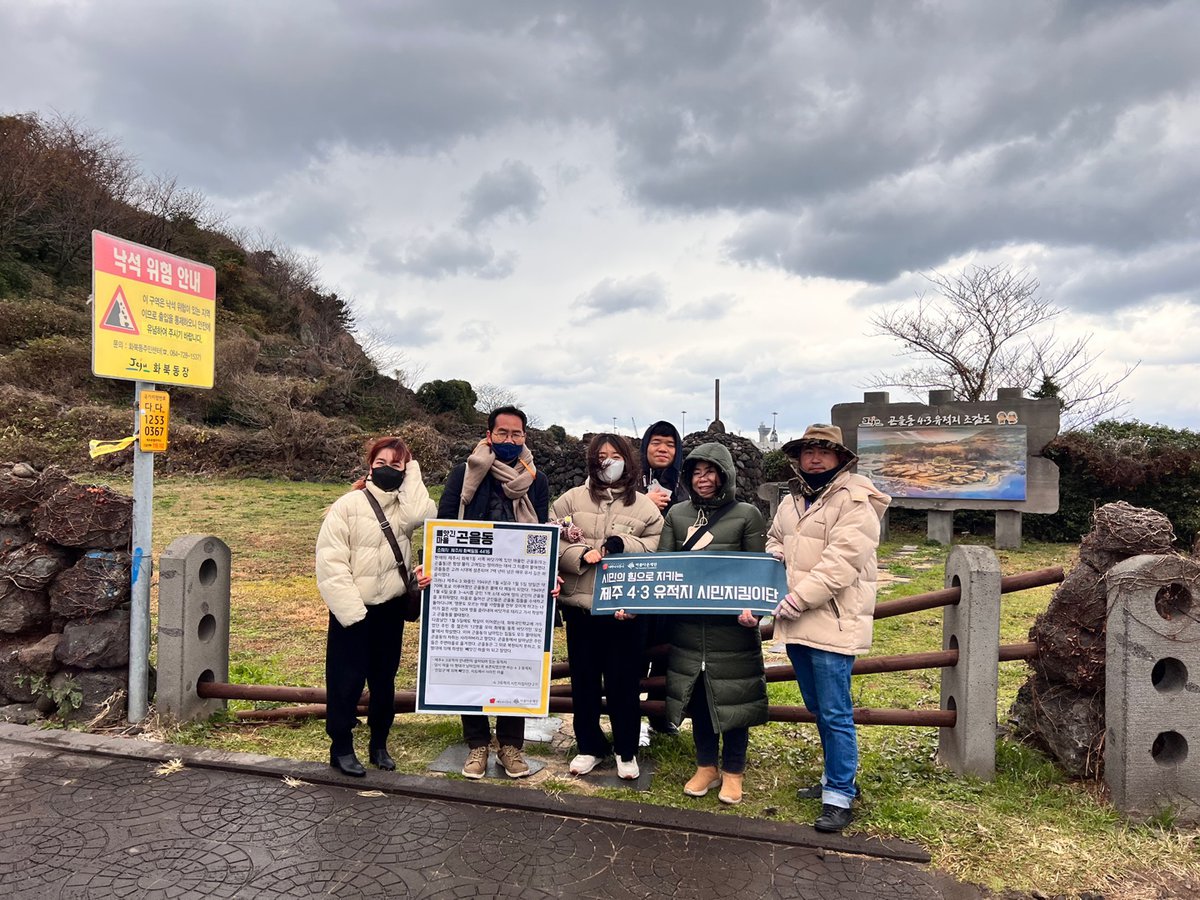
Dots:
pixel 827 533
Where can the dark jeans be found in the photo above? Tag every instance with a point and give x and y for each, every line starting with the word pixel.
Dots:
pixel 368 652
pixel 606 660
pixel 736 741
pixel 510 731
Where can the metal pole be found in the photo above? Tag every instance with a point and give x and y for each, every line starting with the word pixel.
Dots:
pixel 405 702
pixel 717 398
pixel 142 570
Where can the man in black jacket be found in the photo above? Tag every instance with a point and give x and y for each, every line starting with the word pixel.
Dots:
pixel 497 483
pixel 662 457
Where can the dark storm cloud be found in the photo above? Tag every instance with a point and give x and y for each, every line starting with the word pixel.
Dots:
pixel 441 255
pixel 853 140
pixel 1102 284
pixel 512 191
pixel 613 296
pixel 864 140
pixel 225 94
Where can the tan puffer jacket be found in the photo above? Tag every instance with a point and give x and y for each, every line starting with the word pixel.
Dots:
pixel 829 550
pixel 355 564
pixel 638 526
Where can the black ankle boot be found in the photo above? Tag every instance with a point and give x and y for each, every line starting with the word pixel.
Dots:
pixel 347 764
pixel 381 759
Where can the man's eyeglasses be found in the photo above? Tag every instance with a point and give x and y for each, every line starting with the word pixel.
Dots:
pixel 502 435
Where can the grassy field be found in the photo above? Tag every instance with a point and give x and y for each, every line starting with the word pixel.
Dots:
pixel 1030 828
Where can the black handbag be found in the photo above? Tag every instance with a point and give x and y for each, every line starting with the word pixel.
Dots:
pixel 411 598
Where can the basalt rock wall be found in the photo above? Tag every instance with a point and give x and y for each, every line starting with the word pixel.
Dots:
pixel 64 597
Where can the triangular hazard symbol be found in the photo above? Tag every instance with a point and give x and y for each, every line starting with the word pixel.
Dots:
pixel 118 317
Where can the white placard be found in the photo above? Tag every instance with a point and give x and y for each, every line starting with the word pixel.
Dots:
pixel 487 626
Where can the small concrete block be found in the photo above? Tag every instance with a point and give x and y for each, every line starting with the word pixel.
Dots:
pixel 454 757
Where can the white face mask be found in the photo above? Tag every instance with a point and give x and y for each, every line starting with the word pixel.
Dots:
pixel 611 470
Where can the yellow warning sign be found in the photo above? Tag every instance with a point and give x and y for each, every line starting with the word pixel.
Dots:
pixel 154 415
pixel 153 314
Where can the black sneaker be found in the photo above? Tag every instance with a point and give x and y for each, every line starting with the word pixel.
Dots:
pixel 833 819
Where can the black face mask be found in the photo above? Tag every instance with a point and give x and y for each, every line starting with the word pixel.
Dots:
pixel 387 478
pixel 817 481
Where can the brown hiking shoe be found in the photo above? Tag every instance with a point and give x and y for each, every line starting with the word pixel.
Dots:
pixel 513 762
pixel 476 764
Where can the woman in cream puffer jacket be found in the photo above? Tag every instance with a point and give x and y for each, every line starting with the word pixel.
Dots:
pixel 605 652
pixel 358 578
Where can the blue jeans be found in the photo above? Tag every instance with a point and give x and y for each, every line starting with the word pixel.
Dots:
pixel 824 680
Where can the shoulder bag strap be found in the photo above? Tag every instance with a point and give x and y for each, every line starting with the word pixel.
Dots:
pixel 386 527
pixel 712 520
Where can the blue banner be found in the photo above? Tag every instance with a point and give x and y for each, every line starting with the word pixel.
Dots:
pixel 689 582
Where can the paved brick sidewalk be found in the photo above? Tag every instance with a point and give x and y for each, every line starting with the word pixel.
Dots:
pixel 83 816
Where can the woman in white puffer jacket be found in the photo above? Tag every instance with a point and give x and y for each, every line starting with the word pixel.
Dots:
pixel 360 582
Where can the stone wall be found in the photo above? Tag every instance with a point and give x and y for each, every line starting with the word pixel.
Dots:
pixel 64 597
pixel 563 462
pixel 746 457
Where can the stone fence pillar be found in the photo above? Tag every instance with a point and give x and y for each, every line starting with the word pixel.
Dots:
pixel 193 625
pixel 970 688
pixel 1152 694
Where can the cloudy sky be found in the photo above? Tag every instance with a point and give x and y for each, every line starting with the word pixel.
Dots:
pixel 603 206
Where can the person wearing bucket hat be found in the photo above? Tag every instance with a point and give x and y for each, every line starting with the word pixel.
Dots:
pixel 827 533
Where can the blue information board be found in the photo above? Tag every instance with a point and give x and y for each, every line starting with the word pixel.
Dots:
pixel 689 582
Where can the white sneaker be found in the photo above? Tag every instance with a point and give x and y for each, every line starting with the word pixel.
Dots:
pixel 628 768
pixel 644 734
pixel 582 764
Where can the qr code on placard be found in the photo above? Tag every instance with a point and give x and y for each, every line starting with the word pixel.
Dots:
pixel 537 544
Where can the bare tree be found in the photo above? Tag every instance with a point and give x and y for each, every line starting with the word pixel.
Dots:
pixel 408 372
pixel 988 327
pixel 168 207
pixel 493 396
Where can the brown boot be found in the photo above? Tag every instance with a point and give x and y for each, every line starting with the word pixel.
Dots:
pixel 705 779
pixel 731 789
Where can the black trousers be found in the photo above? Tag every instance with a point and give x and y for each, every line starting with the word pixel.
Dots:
pixel 368 652
pixel 657 633
pixel 607 660
pixel 510 731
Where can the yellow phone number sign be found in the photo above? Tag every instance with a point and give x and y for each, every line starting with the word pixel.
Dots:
pixel 153 314
pixel 155 415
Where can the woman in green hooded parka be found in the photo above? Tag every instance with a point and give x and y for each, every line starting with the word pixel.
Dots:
pixel 715 671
